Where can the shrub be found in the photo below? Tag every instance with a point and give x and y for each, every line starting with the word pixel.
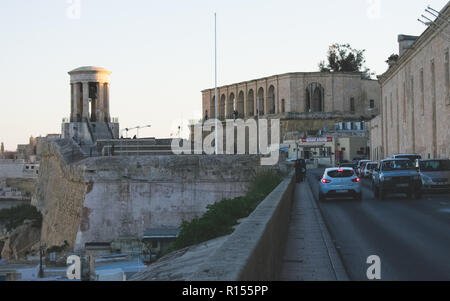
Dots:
pixel 220 217
pixel 14 217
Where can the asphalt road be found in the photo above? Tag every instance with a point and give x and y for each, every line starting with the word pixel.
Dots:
pixel 411 237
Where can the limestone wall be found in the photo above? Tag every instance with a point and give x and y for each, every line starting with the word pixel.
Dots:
pixel 101 199
pixel 128 195
pixel 59 195
pixel 416 98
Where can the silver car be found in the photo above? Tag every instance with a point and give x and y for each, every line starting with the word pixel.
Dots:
pixel 435 174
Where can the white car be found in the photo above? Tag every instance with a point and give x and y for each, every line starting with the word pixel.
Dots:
pixel 339 182
pixel 358 166
pixel 370 166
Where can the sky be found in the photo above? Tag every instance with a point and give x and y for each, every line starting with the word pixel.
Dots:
pixel 161 53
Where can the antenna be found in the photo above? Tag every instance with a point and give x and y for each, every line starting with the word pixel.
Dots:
pixel 216 142
pixel 433 25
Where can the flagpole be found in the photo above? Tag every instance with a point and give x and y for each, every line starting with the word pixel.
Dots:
pixel 257 111
pixel 215 83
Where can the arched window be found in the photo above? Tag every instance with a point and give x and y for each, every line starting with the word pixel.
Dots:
pixel 251 103
pixel 230 106
pixel 240 105
pixel 271 100
pixel 222 107
pixel 212 108
pixel 314 98
pixel 261 101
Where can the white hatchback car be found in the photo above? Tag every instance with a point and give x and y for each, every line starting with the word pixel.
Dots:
pixel 339 182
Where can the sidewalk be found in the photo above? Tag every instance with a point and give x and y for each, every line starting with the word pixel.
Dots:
pixel 309 254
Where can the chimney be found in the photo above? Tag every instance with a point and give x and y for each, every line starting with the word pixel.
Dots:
pixel 404 42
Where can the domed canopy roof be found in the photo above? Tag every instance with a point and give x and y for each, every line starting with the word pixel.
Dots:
pixel 89 69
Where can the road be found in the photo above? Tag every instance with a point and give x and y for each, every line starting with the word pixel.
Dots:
pixel 411 237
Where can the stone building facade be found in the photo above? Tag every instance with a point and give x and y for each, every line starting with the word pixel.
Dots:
pixel 416 97
pixel 301 92
pixel 308 104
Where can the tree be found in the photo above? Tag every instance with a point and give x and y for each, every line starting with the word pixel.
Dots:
pixel 392 59
pixel 344 58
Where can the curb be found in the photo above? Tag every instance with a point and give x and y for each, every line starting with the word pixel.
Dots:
pixel 334 254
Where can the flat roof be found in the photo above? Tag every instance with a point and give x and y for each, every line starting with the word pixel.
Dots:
pixel 161 233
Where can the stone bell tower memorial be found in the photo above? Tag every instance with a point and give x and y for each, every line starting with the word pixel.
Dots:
pixel 90 118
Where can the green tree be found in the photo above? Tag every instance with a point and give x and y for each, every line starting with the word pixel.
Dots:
pixel 344 58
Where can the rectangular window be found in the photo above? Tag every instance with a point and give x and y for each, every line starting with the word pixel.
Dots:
pixel 372 104
pixel 422 93
pixel 352 104
pixel 392 113
pixel 404 102
pixel 447 77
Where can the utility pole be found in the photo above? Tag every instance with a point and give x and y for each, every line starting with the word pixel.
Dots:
pixel 41 255
pixel 215 83
pixel 257 113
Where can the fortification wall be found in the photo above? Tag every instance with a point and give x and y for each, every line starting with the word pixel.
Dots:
pixel 101 199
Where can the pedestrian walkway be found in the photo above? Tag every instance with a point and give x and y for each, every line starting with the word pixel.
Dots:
pixel 309 254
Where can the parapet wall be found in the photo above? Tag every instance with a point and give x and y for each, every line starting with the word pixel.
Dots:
pixel 254 251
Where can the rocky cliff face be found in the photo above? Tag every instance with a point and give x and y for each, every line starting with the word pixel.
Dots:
pixel 59 193
pixel 20 241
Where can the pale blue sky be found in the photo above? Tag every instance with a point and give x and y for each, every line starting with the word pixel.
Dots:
pixel 161 52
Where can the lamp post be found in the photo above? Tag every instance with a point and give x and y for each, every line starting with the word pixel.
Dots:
pixel 137 135
pixel 137 128
pixel 41 255
pixel 121 138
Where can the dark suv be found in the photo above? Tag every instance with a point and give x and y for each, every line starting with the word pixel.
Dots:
pixel 396 176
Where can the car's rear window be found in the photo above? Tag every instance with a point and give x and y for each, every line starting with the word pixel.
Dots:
pixel 436 165
pixel 341 174
pixel 398 165
pixel 410 157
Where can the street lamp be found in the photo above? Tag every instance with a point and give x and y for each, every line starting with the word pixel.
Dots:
pixel 121 138
pixel 137 135
pixel 137 128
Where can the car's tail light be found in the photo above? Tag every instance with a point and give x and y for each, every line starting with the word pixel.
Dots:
pixel 356 180
pixel 340 170
pixel 326 181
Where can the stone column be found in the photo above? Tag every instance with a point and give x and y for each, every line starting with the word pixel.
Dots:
pixel 76 99
pixel 100 103
pixel 255 100
pixel 85 100
pixel 106 100
pixel 226 108
pixel 245 102
pixel 72 103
